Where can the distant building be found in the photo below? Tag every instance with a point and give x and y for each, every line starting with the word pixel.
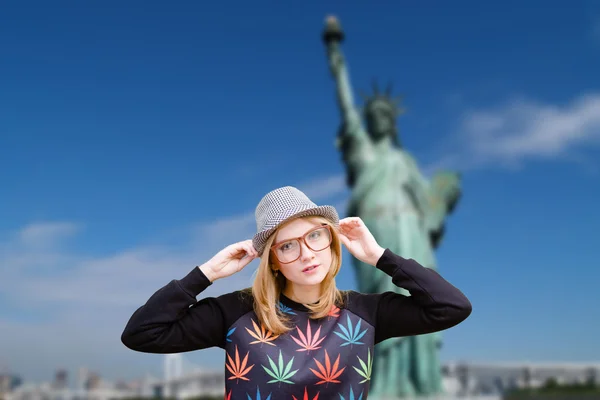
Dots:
pixel 93 381
pixel 60 379
pixel 462 380
pixel 8 383
pixel 472 378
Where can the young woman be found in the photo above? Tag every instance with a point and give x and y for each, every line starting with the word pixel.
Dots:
pixel 293 334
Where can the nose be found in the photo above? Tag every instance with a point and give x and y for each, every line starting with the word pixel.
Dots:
pixel 305 252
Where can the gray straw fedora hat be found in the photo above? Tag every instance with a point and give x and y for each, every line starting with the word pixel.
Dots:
pixel 282 205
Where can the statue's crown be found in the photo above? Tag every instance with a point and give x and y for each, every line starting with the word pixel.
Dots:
pixel 383 97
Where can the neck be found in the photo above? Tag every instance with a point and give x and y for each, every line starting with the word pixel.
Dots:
pixel 302 294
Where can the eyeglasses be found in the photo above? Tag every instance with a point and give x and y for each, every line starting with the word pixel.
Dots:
pixel 289 250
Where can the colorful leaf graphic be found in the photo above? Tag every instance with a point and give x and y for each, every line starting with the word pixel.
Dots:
pixel 258 395
pixel 334 312
pixel 285 309
pixel 308 342
pixel 261 334
pixel 328 373
pixel 238 369
pixel 306 395
pixel 351 333
pixel 351 396
pixel 229 334
pixel 280 372
pixel 366 369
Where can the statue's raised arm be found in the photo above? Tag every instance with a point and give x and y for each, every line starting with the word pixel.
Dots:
pixel 353 138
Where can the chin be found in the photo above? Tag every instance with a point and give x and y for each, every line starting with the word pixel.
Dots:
pixel 317 279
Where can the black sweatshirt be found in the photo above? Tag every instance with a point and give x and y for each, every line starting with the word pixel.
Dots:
pixel 330 357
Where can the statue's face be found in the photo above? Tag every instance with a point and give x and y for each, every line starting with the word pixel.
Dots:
pixel 380 119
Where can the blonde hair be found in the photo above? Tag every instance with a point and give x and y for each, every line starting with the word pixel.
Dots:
pixel 267 287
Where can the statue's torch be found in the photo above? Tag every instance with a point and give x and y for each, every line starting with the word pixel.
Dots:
pixel 333 31
pixel 332 37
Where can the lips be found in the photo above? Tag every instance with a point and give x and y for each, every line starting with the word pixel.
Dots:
pixel 310 268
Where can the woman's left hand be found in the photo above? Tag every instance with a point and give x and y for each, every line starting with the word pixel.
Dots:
pixel 359 240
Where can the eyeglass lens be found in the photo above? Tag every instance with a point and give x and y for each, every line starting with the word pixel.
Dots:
pixel 316 240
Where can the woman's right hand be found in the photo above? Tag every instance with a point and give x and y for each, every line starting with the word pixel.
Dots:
pixel 230 260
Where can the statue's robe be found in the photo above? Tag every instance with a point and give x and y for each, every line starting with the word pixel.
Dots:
pixel 396 203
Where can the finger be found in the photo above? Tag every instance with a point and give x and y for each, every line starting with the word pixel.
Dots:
pixel 345 240
pixel 242 252
pixel 244 262
pixel 348 226
pixel 243 259
pixel 345 223
pixel 346 231
pixel 234 253
pixel 254 251
pixel 350 221
pixel 235 248
pixel 245 246
pixel 250 252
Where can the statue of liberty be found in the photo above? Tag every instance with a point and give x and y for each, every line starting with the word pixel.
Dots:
pixel 404 211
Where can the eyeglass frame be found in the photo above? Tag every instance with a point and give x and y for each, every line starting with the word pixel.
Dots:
pixel 303 239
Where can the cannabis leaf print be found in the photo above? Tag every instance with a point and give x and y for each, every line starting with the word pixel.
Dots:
pixel 338 366
pixel 334 312
pixel 229 334
pixel 262 335
pixel 308 342
pixel 351 334
pixel 238 369
pixel 279 371
pixel 351 396
pixel 285 309
pixel 328 373
pixel 365 369
pixel 258 395
pixel 306 396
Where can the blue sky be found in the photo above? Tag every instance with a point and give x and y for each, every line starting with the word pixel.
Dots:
pixel 137 138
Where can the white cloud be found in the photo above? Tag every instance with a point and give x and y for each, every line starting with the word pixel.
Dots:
pixel 233 228
pixel 45 233
pixel 68 308
pixel 74 316
pixel 77 312
pixel 523 130
pixel 40 236
pixel 325 188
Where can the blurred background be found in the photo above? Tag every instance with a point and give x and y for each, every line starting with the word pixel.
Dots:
pixel 137 137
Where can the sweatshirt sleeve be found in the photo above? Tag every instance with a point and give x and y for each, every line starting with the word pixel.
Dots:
pixel 172 321
pixel 433 305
